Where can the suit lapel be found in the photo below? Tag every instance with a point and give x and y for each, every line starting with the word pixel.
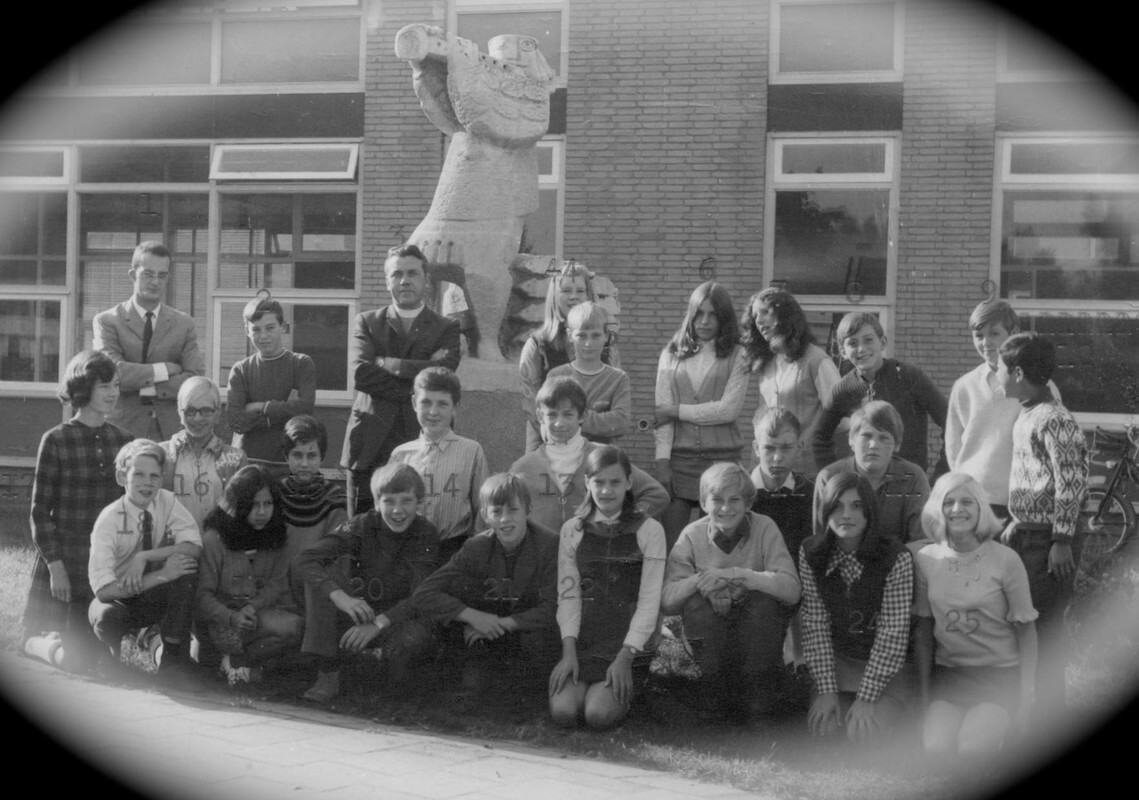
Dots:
pixel 131 318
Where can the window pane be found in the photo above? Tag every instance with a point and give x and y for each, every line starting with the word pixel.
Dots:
pixel 144 164
pixel 545 26
pixel 109 222
pixel 1097 359
pixel 834 159
pixel 832 242
pixel 290 51
pixel 836 37
pixel 151 55
pixel 282 162
pixel 33 239
pixel 29 340
pixel 31 164
pixel 1070 245
pixel 259 241
pixel 540 230
pixel 319 331
pixel 1082 158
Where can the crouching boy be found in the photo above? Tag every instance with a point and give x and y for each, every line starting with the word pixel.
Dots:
pixel 497 596
pixel 732 580
pixel 363 604
pixel 144 563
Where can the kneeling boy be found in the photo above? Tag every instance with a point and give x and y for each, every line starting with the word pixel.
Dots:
pixel 734 583
pixel 392 549
pixel 144 562
pixel 498 594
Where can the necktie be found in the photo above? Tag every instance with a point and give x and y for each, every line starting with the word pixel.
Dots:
pixel 147 334
pixel 146 525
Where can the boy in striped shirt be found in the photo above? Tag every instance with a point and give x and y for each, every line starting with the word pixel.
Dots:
pixel 452 466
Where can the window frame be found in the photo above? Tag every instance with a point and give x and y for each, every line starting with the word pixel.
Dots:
pixel 555 181
pixel 1004 183
pixel 805 182
pixel 29 182
pixel 893 75
pixel 220 150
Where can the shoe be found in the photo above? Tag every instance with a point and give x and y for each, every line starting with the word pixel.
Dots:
pixel 235 675
pixel 327 686
pixel 48 648
pixel 149 640
pixel 181 676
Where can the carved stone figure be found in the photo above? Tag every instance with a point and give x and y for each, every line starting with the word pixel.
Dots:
pixel 495 107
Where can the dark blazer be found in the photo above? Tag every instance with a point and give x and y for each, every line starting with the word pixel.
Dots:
pixel 118 331
pixel 382 415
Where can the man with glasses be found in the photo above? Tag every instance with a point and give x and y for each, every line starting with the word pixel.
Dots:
pixel 155 347
pixel 388 349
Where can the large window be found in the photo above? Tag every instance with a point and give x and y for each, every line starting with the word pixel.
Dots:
pixel 1067 256
pixel 836 41
pixel 218 44
pixel 542 230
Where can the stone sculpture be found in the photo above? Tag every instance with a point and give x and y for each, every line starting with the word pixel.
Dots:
pixel 495 107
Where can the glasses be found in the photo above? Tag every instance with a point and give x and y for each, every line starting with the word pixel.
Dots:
pixel 148 276
pixel 204 413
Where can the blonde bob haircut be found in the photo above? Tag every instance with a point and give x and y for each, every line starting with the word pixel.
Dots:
pixel 196 389
pixel 933 516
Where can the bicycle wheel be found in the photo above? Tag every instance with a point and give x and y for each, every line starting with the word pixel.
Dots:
pixel 1107 527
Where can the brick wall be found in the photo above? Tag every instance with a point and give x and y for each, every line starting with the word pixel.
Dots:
pixel 665 138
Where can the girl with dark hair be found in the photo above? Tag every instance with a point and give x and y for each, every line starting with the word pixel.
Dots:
pixel 74 482
pixel 700 390
pixel 610 572
pixel 549 346
pixel 794 372
pixel 857 592
pixel 243 576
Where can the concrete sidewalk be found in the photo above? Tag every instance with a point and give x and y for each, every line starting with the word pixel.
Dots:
pixel 192 747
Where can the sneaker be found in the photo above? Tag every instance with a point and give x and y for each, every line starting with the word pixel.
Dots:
pixel 47 648
pixel 327 686
pixel 149 640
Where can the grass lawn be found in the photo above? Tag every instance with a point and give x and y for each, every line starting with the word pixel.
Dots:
pixel 778 761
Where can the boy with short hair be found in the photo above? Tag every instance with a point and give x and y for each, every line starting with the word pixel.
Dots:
pixel 1047 486
pixel 554 473
pixel 607 390
pixel 780 493
pixel 732 580
pixel 499 591
pixel 452 466
pixel 144 562
pixel 900 486
pixel 269 387
pixel 978 427
pixel 311 504
pixel 876 377
pixel 392 549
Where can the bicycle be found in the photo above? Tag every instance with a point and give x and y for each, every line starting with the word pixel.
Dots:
pixel 1108 516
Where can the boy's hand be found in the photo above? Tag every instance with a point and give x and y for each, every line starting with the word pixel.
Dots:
pixel 721 604
pixel 486 625
pixel 619 677
pixel 245 619
pixel 861 720
pixel 823 716
pixel 714 581
pixel 470 636
pixel 1061 565
pixel 1006 534
pixel 132 578
pixel 356 608
pixel 60 581
pixel 356 638
pixel 565 670
pixel 178 565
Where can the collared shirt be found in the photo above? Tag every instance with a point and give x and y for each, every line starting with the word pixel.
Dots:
pixel 892 625
pixel 117 535
pixel 453 470
pixel 198 481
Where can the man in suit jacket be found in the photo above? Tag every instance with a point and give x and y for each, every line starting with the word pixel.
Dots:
pixel 389 347
pixel 154 345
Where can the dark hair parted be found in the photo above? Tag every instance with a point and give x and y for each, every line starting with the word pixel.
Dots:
pixel 231 516
pixel 838 485
pixel 83 372
pixel 302 429
pixel 438 379
pixel 1033 354
pixel 504 488
pixel 684 342
pixel 601 458
pixel 554 392
pixel 792 332
pixel 396 478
